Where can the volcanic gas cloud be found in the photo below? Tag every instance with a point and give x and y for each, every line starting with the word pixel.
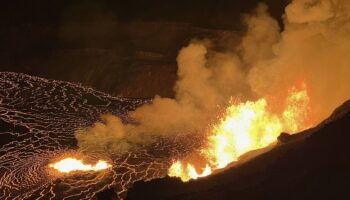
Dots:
pixel 277 79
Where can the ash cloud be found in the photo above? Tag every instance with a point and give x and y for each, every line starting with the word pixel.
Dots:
pixel 313 47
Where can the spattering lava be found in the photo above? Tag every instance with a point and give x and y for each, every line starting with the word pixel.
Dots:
pixel 245 127
pixel 68 165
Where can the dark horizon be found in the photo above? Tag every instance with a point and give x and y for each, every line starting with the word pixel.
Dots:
pixel 220 14
pixel 110 45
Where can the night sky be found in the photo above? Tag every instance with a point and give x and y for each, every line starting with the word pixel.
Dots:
pixel 215 14
pixel 113 45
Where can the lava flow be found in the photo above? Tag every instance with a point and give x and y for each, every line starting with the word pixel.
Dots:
pixel 245 127
pixel 68 165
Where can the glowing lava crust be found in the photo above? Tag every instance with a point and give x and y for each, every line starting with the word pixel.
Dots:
pixel 38 118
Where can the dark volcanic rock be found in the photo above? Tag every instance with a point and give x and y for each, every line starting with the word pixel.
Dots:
pixel 284 137
pixel 315 166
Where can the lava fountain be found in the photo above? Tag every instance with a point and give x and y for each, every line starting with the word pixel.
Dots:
pixel 70 164
pixel 245 127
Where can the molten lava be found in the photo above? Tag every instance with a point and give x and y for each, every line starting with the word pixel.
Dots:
pixel 72 164
pixel 245 127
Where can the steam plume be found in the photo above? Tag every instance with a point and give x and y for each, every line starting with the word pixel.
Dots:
pixel 313 47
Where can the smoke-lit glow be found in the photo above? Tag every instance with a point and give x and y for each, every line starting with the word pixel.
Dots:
pixel 256 66
pixel 245 127
pixel 68 165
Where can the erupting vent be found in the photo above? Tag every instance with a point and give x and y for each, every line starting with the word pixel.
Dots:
pixel 245 127
pixel 72 164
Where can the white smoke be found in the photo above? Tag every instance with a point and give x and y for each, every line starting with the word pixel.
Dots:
pixel 313 47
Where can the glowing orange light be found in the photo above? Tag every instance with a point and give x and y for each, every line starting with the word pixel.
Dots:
pixel 72 164
pixel 245 127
